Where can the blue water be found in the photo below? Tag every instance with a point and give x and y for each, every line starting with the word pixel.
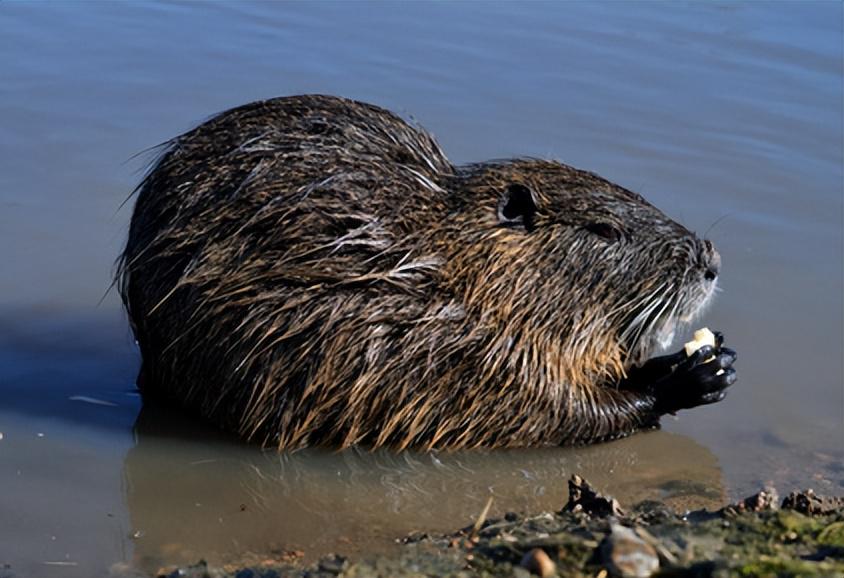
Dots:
pixel 726 116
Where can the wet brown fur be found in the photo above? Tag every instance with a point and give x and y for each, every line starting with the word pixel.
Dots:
pixel 314 271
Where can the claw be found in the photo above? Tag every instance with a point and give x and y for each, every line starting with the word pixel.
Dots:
pixel 699 357
pixel 713 397
pixel 722 362
pixel 728 354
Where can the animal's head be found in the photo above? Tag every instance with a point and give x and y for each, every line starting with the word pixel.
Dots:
pixel 574 267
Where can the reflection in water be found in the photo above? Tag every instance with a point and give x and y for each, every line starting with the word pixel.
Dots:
pixel 194 493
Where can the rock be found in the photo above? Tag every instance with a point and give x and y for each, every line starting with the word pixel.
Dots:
pixel 198 570
pixel 652 512
pixel 807 502
pixel 538 562
pixel 626 555
pixel 584 498
pixel 332 564
pixel 765 500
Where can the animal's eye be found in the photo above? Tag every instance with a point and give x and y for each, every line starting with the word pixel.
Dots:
pixel 605 231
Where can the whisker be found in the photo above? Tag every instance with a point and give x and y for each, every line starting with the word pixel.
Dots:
pixel 718 220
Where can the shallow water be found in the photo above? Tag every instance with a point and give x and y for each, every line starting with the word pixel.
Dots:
pixel 726 116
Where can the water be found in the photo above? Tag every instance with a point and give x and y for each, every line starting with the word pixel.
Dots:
pixel 726 116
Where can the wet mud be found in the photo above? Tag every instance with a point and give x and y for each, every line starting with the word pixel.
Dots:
pixel 594 535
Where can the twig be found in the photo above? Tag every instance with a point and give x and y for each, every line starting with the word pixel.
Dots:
pixel 481 519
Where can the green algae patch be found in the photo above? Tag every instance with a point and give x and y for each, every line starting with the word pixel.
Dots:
pixel 792 521
pixel 832 535
pixel 788 568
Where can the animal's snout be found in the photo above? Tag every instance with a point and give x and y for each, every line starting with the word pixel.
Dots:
pixel 710 261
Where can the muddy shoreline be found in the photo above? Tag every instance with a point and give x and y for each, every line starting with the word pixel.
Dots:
pixel 593 535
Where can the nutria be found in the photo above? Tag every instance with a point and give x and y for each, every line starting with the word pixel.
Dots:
pixel 312 270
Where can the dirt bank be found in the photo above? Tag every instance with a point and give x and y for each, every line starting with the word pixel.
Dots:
pixel 594 536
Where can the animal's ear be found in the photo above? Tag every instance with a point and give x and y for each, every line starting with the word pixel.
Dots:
pixel 517 207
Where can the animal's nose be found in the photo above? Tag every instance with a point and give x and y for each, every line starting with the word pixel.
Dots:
pixel 710 261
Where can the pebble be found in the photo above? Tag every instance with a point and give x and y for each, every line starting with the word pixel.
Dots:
pixel 767 499
pixel 538 562
pixel 332 563
pixel 628 556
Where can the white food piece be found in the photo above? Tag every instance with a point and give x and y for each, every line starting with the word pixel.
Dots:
pixel 702 336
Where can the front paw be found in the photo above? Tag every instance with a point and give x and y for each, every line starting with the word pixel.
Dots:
pixel 700 379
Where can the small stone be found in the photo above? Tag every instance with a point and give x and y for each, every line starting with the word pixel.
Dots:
pixel 198 570
pixel 332 564
pixel 538 562
pixel 291 555
pixel 652 512
pixel 584 498
pixel 665 555
pixel 809 503
pixel 765 500
pixel 628 556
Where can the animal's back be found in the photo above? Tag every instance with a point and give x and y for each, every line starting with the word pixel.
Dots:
pixel 279 150
pixel 247 230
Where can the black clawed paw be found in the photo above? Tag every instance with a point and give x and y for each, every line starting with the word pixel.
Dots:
pixel 700 379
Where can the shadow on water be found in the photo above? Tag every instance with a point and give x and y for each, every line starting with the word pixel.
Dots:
pixel 73 368
pixel 193 492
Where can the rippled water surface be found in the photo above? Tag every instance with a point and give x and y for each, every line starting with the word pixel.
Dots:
pixel 726 116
